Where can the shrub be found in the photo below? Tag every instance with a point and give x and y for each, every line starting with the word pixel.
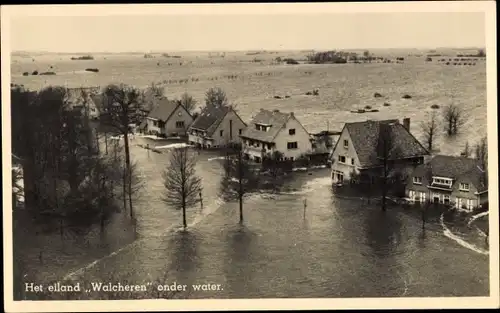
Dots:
pixel 386 104
pixel 435 106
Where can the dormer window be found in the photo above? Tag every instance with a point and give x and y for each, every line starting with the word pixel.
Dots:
pixel 442 181
pixel 417 180
pixel 464 187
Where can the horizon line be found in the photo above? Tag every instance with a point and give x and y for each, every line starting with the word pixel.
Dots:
pixel 245 50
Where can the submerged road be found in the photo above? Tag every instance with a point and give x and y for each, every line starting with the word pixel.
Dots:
pixel 342 248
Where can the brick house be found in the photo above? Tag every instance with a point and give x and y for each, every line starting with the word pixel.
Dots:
pixel 449 180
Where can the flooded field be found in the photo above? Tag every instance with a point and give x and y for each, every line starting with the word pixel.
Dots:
pixel 342 248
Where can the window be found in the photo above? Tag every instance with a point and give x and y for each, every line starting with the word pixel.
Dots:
pixel 292 145
pixel 221 132
pixel 257 144
pixel 155 123
pixel 442 181
pixel 240 131
pixel 341 159
pixel 340 177
pixel 470 204
pixel 269 146
pixel 446 199
pixel 352 161
pixel 464 187
pixel 291 158
pixel 179 124
pixel 257 127
pixel 291 131
pixel 346 143
pixel 417 180
pixel 411 194
pixel 422 196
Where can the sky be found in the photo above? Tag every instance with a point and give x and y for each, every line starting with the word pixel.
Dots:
pixel 240 31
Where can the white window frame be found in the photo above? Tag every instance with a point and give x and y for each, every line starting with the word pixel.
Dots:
pixel 291 142
pixel 412 194
pixel 422 196
pixel 417 180
pixel 462 185
pixel 342 156
pixel 346 143
pixel 352 161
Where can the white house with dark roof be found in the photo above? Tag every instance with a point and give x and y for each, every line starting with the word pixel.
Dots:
pixel 450 180
pixel 357 149
pixel 271 131
pixel 216 127
pixel 169 119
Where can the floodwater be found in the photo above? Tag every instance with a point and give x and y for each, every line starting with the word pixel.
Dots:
pixel 335 248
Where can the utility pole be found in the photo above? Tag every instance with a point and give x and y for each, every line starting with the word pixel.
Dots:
pixel 201 201
pixel 305 206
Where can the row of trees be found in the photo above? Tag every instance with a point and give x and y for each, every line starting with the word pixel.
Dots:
pixel 183 186
pixel 214 97
pixel 66 178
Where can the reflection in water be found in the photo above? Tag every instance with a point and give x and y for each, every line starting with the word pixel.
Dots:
pixel 241 259
pixel 383 232
pixel 183 251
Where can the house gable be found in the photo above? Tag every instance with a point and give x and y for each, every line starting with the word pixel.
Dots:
pixel 301 136
pixel 225 126
pixel 179 114
pixel 349 153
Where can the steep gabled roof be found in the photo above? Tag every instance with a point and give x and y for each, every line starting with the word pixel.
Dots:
pixel 164 109
pixel 276 119
pixel 365 137
pixel 454 167
pixel 210 118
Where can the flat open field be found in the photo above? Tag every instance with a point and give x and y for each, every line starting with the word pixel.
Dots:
pixel 252 80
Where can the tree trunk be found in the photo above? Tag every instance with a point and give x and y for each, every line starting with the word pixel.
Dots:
pixel 241 208
pixel 127 164
pixel 184 222
pixel 124 183
pixel 106 141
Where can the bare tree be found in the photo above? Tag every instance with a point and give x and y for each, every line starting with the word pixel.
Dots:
pixel 239 177
pixel 121 108
pixel 182 185
pixel 454 119
pixel 429 130
pixel 467 150
pixel 481 154
pixel 188 102
pixel 216 97
pixel 387 154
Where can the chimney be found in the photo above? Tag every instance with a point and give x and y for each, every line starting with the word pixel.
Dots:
pixel 406 123
pixel 291 114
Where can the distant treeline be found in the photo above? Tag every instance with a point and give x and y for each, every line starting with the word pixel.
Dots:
pixel 327 57
pixel 85 57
